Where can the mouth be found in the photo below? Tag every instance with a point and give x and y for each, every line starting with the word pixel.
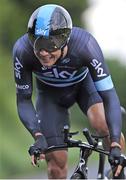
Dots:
pixel 47 60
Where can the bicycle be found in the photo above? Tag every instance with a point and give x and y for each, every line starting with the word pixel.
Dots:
pixel 93 144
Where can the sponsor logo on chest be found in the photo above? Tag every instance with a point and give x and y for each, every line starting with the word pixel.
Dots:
pixel 63 74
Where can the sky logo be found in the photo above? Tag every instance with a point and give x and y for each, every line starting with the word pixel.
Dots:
pixel 65 61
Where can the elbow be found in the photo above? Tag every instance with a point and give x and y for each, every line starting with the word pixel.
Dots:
pixel 23 97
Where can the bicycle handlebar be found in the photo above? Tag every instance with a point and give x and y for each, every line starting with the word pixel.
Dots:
pixel 92 144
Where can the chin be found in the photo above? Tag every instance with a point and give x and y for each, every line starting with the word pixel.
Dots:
pixel 47 64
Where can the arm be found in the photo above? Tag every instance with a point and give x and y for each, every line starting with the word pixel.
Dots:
pixel 27 113
pixel 26 110
pixel 23 80
pixel 104 85
pixel 112 113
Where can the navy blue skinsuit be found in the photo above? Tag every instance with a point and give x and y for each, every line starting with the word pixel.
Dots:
pixel 81 76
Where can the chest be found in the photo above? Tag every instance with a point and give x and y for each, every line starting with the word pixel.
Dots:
pixel 63 69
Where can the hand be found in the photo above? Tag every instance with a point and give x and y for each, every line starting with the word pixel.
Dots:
pixel 115 160
pixel 37 150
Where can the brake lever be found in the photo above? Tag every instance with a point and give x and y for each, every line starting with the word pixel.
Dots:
pixel 90 139
pixel 73 133
pixel 99 137
pixel 37 153
pixel 68 135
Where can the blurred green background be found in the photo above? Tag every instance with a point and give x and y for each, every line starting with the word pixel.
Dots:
pixel 14 138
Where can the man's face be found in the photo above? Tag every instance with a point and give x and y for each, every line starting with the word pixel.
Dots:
pixel 48 58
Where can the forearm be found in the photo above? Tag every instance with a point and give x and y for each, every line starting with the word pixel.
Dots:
pixel 113 114
pixel 27 114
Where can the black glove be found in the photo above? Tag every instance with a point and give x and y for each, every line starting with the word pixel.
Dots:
pixel 38 147
pixel 115 155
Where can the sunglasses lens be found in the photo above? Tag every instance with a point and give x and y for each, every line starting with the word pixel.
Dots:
pixel 46 44
pixel 52 43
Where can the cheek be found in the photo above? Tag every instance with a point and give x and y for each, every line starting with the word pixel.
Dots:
pixel 58 54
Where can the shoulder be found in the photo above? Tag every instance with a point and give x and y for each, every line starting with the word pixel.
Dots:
pixel 79 38
pixel 23 48
pixel 79 33
pixel 22 45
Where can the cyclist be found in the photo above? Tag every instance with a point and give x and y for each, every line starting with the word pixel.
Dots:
pixel 69 67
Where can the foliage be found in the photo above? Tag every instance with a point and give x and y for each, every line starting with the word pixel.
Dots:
pixel 15 25
pixel 14 138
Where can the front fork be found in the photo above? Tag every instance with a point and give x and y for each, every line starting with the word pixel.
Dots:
pixel 101 166
pixel 82 168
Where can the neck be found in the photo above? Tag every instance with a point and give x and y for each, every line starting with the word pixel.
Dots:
pixel 64 52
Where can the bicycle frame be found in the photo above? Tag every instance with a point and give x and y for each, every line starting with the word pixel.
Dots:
pixel 82 167
pixel 86 148
pixel 100 174
pixel 85 151
pixel 81 170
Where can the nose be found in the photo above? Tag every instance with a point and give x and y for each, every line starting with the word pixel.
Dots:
pixel 44 52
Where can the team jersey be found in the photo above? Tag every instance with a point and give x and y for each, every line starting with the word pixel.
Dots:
pixel 83 55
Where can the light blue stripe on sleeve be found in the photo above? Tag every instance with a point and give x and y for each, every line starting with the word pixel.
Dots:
pixel 104 84
pixel 43 20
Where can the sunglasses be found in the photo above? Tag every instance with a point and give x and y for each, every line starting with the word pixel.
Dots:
pixel 51 43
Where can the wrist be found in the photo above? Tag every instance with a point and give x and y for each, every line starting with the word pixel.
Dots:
pixel 115 144
pixel 37 135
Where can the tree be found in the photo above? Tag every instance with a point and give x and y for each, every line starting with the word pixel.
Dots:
pixel 14 16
